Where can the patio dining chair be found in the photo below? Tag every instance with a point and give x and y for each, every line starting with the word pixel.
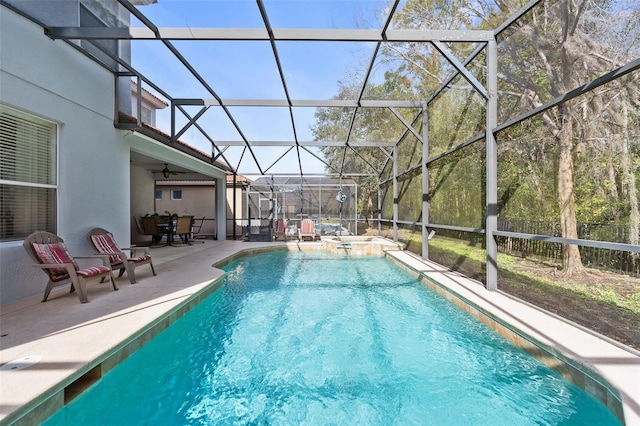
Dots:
pixel 150 227
pixel 196 227
pixel 139 226
pixel 104 243
pixel 51 255
pixel 183 228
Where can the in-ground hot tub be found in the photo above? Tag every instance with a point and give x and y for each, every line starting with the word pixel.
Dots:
pixel 359 245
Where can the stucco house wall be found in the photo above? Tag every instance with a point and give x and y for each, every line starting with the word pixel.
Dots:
pixel 198 200
pixel 98 184
pixel 142 199
pixel 50 79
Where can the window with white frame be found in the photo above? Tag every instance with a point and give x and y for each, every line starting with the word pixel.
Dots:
pixel 176 194
pixel 28 181
pixel 158 193
pixel 146 115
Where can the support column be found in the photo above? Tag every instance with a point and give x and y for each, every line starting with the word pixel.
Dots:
pixel 355 207
pixel 320 204
pixel 272 207
pixel 221 208
pixel 235 206
pixel 395 193
pixel 379 209
pixel 425 182
pixel 492 166
pixel 173 121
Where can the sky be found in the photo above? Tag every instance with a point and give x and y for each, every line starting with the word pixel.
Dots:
pixel 247 69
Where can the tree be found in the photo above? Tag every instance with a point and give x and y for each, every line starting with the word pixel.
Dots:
pixel 332 124
pixel 560 46
pixel 556 47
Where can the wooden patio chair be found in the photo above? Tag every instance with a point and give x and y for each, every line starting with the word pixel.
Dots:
pixel 51 255
pixel 104 243
pixel 138 223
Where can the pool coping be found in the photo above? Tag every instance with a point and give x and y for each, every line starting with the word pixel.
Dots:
pixel 614 380
pixel 125 320
pixel 607 370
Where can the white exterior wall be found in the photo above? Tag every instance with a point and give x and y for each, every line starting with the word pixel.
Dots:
pixel 52 80
pixel 142 199
pixel 240 208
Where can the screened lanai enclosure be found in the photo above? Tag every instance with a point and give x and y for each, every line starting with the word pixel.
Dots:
pixel 494 137
pixel 330 203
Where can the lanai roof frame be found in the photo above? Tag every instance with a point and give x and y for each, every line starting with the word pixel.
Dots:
pixel 166 35
pixel 435 37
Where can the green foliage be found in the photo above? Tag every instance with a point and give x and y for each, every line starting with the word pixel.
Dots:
pixel 527 173
pixel 510 264
pixel 597 194
pixel 456 188
pixel 540 58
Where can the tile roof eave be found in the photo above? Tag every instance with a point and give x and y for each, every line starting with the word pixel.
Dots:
pixel 159 103
pixel 127 122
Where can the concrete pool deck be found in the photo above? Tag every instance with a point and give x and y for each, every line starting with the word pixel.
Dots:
pixel 50 352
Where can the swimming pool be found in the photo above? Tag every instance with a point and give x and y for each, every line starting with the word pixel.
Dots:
pixel 311 338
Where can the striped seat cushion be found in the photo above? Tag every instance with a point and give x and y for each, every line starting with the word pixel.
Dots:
pixel 281 226
pixel 105 244
pixel 140 258
pixel 308 227
pixel 51 254
pixel 93 271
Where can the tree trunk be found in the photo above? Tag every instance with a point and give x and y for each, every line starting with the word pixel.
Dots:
pixel 370 210
pixel 628 178
pixel 571 261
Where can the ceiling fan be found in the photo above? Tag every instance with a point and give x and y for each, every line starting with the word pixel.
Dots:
pixel 166 172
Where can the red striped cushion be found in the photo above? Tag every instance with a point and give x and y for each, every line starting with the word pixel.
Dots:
pixel 105 244
pixel 93 271
pixel 281 225
pixel 54 253
pixel 308 227
pixel 140 258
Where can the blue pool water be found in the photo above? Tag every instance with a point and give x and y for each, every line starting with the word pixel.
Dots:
pixel 315 339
